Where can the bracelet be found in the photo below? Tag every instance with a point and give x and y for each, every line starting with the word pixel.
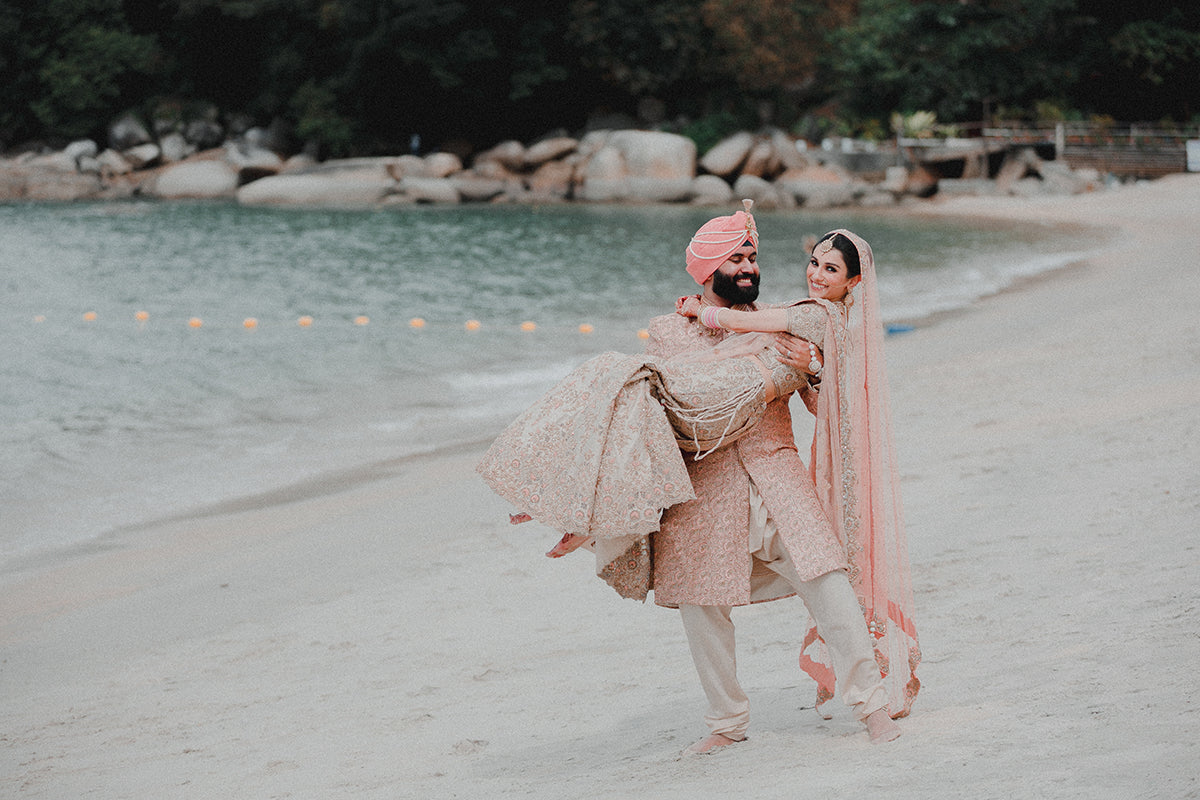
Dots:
pixel 814 366
pixel 710 317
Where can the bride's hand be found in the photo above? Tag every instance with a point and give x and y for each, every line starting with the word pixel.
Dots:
pixel 794 352
pixel 567 544
pixel 688 306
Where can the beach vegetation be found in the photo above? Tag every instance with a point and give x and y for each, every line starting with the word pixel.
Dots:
pixel 363 76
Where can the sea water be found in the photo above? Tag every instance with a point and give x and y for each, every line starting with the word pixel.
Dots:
pixel 158 359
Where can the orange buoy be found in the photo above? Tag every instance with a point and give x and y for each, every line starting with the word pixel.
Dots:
pixel 585 328
pixel 362 320
pixel 249 323
pixel 473 324
pixel 417 322
pixel 40 318
pixel 643 334
pixel 195 322
pixel 304 321
pixel 528 326
pixel 142 316
pixel 90 316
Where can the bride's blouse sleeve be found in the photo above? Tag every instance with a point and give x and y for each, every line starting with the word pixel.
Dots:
pixel 807 320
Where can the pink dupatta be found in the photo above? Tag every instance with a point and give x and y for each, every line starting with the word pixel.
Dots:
pixel 854 469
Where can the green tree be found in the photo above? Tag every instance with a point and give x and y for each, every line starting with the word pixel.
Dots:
pixel 1142 60
pixel 766 45
pixel 641 47
pixel 953 58
pixel 318 120
pixel 70 64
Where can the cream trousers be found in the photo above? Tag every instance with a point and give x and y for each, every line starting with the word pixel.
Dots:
pixel 835 610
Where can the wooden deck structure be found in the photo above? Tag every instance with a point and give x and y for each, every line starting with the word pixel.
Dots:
pixel 1127 151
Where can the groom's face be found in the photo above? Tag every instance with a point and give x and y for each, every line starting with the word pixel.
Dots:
pixel 737 279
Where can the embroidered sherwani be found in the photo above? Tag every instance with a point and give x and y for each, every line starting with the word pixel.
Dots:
pixel 702 549
pixel 623 437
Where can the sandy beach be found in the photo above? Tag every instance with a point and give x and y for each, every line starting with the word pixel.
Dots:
pixel 390 635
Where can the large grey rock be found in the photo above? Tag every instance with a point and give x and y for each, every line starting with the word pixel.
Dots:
pixel 362 188
pixel 441 165
pixel 205 134
pixel 1060 179
pixel 762 160
pixel 175 147
pixel 126 132
pixel 475 188
pixel 253 162
pixel 710 190
pixel 641 166
pixel 429 190
pixel 300 162
pixel 727 156
pixel 58 161
pixel 605 177
pixel 818 194
pixel 382 165
pixel 196 180
pixel 494 170
pixel 89 165
pixel 12 180
pixel 53 185
pixel 113 163
pixel 142 156
pixel 761 191
pixel 406 165
pixel 658 190
pixel 656 154
pixel 551 181
pixel 790 156
pixel 592 143
pixel 510 154
pixel 818 186
pixel 549 150
pixel 269 138
pixel 895 180
pixel 81 148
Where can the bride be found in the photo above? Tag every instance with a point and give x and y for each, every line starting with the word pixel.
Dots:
pixel 600 456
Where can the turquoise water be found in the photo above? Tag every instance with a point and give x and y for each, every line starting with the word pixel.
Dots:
pixel 115 421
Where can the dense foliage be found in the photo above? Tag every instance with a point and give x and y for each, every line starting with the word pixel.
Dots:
pixel 363 76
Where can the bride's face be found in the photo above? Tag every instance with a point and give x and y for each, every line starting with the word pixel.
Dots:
pixel 828 276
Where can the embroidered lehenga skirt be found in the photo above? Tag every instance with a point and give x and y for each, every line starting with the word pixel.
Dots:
pixel 600 454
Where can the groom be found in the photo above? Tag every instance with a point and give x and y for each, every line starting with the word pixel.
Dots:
pixel 756 531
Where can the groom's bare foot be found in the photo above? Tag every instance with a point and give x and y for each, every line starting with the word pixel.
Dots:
pixel 567 544
pixel 881 727
pixel 710 744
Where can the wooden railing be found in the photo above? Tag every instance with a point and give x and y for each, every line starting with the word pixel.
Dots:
pixel 1132 150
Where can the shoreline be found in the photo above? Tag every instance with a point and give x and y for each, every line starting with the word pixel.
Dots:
pixel 396 637
pixel 124 510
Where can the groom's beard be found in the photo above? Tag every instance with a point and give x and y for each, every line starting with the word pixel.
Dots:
pixel 726 287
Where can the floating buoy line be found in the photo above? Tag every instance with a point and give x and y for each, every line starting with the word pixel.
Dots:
pixel 143 318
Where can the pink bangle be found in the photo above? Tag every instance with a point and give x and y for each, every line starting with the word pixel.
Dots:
pixel 709 317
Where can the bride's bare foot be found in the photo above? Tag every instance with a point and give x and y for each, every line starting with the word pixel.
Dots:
pixel 881 727
pixel 567 544
pixel 517 519
pixel 710 744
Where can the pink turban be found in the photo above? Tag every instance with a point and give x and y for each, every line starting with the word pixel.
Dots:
pixel 717 240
